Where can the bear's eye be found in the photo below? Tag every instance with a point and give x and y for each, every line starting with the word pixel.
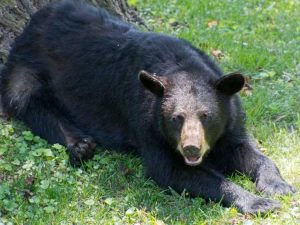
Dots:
pixel 178 119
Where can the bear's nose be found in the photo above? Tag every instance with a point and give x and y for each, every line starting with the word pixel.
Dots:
pixel 191 150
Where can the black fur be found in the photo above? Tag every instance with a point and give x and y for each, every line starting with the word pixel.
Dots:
pixel 72 77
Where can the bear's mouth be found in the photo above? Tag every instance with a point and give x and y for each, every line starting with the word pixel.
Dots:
pixel 192 160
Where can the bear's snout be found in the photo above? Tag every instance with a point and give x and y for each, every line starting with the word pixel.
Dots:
pixel 193 144
pixel 192 155
pixel 191 150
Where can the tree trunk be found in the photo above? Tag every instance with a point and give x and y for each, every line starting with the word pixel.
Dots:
pixel 14 14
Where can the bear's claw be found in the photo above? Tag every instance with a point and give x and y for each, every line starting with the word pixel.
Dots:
pixel 260 205
pixel 274 186
pixel 81 150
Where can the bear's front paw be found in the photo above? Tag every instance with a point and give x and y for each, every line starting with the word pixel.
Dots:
pixel 259 205
pixel 274 186
pixel 81 150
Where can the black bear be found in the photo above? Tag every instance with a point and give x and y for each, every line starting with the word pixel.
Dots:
pixel 80 77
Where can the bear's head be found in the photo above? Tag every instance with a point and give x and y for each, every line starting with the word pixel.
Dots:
pixel 194 111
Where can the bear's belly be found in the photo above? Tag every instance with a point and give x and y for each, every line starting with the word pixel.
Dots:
pixel 103 122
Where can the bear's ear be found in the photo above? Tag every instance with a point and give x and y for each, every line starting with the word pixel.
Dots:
pixel 230 83
pixel 153 83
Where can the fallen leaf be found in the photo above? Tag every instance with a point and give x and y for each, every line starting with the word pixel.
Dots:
pixel 203 45
pixel 29 180
pixel 218 54
pixel 212 23
pixel 247 89
pixel 247 216
pixel 125 170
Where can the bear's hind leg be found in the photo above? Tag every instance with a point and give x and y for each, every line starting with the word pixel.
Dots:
pixel 80 147
pixel 28 98
pixel 50 124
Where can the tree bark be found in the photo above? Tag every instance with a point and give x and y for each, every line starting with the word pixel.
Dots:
pixel 14 14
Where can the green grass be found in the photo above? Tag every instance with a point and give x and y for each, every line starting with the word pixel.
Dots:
pixel 260 38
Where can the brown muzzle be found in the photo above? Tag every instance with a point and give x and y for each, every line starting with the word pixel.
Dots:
pixel 193 144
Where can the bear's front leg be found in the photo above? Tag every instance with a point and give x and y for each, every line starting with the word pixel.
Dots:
pixel 201 181
pixel 242 155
